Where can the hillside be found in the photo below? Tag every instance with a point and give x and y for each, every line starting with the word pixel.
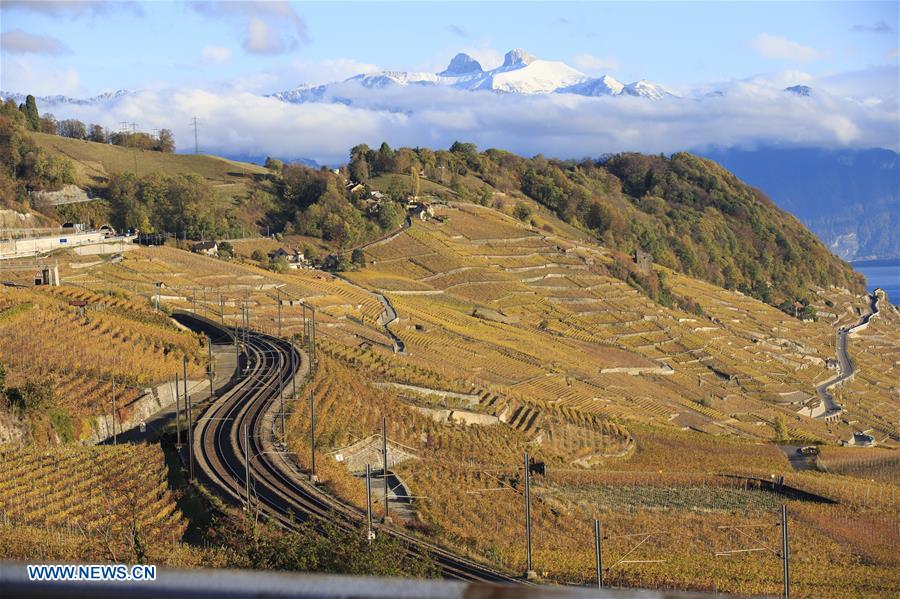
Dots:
pixel 113 347
pixel 689 213
pixel 643 414
pixel 96 162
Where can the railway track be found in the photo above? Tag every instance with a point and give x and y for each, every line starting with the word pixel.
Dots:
pixel 240 423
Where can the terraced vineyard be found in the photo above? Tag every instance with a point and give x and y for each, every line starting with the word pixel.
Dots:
pixel 115 341
pixel 108 493
pixel 664 490
pixel 541 318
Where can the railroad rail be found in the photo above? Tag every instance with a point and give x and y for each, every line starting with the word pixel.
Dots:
pixel 239 424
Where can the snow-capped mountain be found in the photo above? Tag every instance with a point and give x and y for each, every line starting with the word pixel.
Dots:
pixel 520 73
pixel 58 100
pixel 604 86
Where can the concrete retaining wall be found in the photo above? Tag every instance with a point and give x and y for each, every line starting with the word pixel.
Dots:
pixel 152 401
pixel 14 248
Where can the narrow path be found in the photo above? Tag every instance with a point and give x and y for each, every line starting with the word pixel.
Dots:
pixel 846 369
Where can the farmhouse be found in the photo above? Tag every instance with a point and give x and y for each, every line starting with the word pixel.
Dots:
pixel 208 248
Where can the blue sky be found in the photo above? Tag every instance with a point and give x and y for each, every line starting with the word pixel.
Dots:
pixel 93 47
pixel 217 60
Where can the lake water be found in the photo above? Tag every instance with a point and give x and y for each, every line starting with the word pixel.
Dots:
pixel 885 274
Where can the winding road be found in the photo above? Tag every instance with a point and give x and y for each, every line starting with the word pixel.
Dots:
pixel 268 364
pixel 845 365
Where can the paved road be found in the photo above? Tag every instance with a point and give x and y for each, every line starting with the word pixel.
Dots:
pixel 845 365
pixel 237 430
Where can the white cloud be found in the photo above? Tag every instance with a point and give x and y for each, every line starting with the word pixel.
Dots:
pixel 892 54
pixel 22 42
pixel 218 54
pixel 748 113
pixel 590 63
pixel 72 8
pixel 298 72
pixel 33 76
pixel 269 27
pixel 780 48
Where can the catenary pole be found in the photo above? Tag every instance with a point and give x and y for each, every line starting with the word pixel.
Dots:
pixel 528 516
pixel 384 460
pixel 785 553
pixel 598 553
pixel 177 413
pixel 369 500
pixel 312 437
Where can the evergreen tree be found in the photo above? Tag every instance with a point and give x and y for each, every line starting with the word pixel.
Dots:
pixel 32 118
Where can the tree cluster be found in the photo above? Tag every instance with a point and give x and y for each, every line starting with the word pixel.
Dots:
pixel 160 203
pixel 24 166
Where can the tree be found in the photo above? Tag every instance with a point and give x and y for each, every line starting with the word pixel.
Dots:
pixel 273 164
pixel 384 160
pixel 389 217
pixel 32 118
pixel 358 257
pixel 258 256
pixel 48 124
pixel 780 428
pixel 166 141
pixel 226 250
pixel 416 184
pixel 30 397
pixel 97 133
pixel 72 128
pixel 522 211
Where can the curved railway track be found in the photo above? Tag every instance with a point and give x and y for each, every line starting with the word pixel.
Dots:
pixel 268 364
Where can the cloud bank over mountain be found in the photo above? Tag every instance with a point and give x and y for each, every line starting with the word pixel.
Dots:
pixel 570 114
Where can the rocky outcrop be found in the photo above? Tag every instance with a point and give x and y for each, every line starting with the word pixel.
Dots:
pixel 70 194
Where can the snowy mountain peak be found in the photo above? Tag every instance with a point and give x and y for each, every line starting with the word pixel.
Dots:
pixel 517 57
pixel 645 89
pixel 800 90
pixel 603 86
pixel 462 64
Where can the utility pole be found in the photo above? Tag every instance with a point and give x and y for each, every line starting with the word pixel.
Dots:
pixel 785 553
pixel 194 299
pixel 209 360
pixel 370 535
pixel 177 413
pixel 312 438
pixel 278 290
pixel 196 138
pixel 529 572
pixel 384 472
pixel 598 553
pixel 303 337
pixel 294 358
pixel 190 435
pixel 222 308
pixel 247 464
pixel 134 145
pixel 115 439
pixel 187 409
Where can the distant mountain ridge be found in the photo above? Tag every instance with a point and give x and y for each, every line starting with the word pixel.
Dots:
pixel 520 73
pixel 849 198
